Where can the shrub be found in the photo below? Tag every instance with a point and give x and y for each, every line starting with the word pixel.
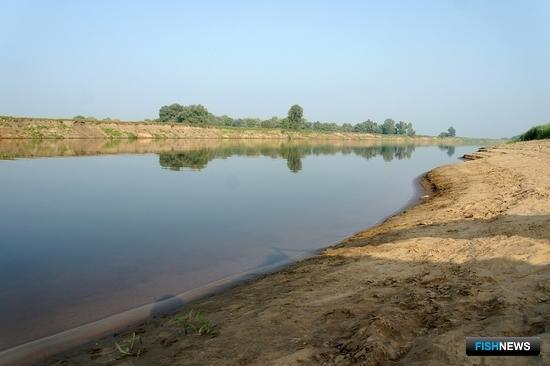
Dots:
pixel 536 133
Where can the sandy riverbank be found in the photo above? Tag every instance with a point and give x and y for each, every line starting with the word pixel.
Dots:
pixel 13 128
pixel 474 259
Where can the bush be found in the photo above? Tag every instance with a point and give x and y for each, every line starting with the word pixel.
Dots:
pixel 536 133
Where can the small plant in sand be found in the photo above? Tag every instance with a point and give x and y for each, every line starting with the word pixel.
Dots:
pixel 132 347
pixel 196 322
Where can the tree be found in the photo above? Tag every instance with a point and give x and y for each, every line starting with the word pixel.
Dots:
pixel 194 114
pixel 401 128
pixel 347 127
pixel 295 114
pixel 367 127
pixel 224 120
pixel 388 127
pixel 273 122
pixel 169 113
pixel 452 131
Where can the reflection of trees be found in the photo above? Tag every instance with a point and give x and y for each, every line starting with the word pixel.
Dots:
pixel 293 157
pixel 195 159
pixel 449 148
pixel 293 153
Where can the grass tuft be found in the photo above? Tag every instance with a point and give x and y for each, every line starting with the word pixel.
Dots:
pixel 196 322
pixel 132 347
pixel 112 133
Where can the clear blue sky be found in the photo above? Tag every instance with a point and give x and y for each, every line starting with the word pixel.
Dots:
pixel 482 66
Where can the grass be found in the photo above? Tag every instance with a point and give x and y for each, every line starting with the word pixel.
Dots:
pixel 112 133
pixel 132 347
pixel 536 133
pixel 35 131
pixel 196 322
pixel 62 126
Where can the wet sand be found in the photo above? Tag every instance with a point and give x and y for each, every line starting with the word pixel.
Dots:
pixel 471 260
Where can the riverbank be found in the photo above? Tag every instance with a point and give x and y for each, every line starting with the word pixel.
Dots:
pixel 474 259
pixel 41 129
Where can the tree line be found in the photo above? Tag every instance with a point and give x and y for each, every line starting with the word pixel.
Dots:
pixel 451 132
pixel 198 115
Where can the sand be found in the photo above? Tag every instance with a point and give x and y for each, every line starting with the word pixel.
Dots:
pixel 473 259
pixel 40 129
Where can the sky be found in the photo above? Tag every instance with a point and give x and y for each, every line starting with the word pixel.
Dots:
pixel 480 66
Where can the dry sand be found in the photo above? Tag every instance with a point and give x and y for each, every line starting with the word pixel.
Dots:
pixel 473 259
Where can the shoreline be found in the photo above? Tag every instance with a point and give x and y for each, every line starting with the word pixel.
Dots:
pixel 473 259
pixel 21 128
pixel 39 349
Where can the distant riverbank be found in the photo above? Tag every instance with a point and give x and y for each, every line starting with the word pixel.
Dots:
pixel 39 128
pixel 471 260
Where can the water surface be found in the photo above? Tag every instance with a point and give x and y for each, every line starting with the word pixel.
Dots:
pixel 85 237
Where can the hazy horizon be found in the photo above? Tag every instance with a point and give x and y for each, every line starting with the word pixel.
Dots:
pixel 480 67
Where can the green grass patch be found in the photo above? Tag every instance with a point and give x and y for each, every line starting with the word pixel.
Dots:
pixel 195 322
pixel 62 126
pixel 130 347
pixel 112 133
pixel 35 131
pixel 536 133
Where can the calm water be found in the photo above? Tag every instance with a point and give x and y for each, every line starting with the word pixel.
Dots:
pixel 89 236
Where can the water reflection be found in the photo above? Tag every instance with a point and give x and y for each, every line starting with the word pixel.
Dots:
pixel 196 154
pixel 177 154
pixel 450 149
pixel 292 152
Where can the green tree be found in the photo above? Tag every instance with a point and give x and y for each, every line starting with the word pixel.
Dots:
pixel 388 127
pixel 273 122
pixel 169 113
pixel 194 114
pixel 367 127
pixel 224 120
pixel 451 131
pixel 401 128
pixel 405 128
pixel 347 127
pixel 295 115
